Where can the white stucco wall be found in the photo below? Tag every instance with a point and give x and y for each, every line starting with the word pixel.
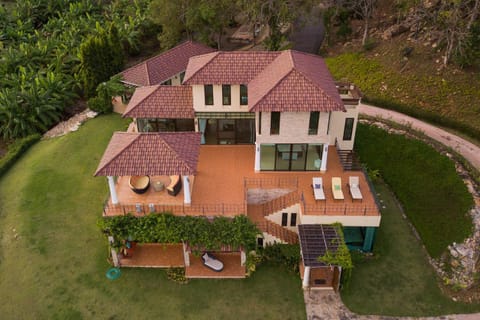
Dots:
pixel 337 125
pixel 347 221
pixel 199 100
pixel 293 128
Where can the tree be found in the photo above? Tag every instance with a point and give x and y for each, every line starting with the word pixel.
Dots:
pixel 276 14
pixel 364 8
pixel 101 56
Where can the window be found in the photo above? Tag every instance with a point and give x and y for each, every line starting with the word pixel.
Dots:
pixel 284 219
pixel 259 123
pixel 293 220
pixel 226 95
pixel 168 82
pixel 275 123
pixel 182 76
pixel 348 130
pixel 260 242
pixel 243 95
pixel 313 123
pixel 208 89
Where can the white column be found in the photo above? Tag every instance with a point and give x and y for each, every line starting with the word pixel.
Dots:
pixel 323 166
pixel 115 260
pixel 257 156
pixel 306 278
pixel 113 191
pixel 186 256
pixel 243 257
pixel 187 199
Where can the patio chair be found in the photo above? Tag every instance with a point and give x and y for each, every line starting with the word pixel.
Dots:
pixel 337 188
pixel 353 183
pixel 318 188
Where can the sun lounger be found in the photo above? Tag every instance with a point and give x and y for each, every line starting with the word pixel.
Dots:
pixel 211 262
pixel 353 183
pixel 318 188
pixel 337 188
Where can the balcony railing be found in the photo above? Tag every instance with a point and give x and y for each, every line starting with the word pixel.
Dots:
pixel 280 203
pixel 341 209
pixel 287 183
pixel 141 209
pixel 278 231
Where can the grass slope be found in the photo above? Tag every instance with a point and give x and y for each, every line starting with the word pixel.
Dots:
pixel 397 280
pixel 55 267
pixel 449 98
pixel 434 197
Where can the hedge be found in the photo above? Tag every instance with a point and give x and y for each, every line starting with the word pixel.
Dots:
pixel 16 150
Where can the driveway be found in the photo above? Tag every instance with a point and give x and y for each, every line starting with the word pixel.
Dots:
pixel 468 150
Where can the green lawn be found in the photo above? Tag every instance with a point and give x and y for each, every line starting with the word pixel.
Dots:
pixel 434 197
pixel 398 279
pixel 53 258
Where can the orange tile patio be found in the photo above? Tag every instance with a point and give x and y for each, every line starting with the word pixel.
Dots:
pixel 154 255
pixel 219 187
pixel 231 267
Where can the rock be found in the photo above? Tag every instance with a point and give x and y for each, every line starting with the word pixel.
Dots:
pixel 394 30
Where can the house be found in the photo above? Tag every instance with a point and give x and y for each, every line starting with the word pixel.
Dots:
pixel 246 133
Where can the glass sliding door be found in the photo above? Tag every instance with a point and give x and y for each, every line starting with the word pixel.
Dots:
pixel 298 156
pixel 291 157
pixel 267 157
pixel 314 157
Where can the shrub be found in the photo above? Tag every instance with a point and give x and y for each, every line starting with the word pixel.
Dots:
pixel 16 150
pixel 177 275
pixel 286 254
pixel 99 105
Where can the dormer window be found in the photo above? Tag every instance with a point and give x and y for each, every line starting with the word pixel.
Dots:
pixel 243 95
pixel 208 90
pixel 226 95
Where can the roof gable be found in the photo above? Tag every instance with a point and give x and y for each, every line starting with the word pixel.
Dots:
pixel 162 153
pixel 165 65
pixel 169 102
pixel 232 67
pixel 294 82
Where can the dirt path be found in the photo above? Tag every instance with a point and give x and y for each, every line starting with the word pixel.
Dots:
pixel 467 149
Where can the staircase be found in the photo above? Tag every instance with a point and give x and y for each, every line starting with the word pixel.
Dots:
pixel 277 231
pixel 349 160
pixel 258 212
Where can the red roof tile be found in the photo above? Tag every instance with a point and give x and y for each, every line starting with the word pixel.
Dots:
pixel 170 102
pixel 165 65
pixel 233 67
pixel 161 153
pixel 294 82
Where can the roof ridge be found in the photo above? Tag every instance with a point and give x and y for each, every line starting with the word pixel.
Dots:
pixel 143 99
pixel 121 150
pixel 273 87
pixel 177 155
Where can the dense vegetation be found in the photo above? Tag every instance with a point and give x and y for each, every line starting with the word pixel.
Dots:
pixel 52 52
pixel 198 232
pixel 433 196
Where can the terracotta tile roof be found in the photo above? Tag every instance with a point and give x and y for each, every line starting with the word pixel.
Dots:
pixel 294 82
pixel 170 102
pixel 165 65
pixel 160 153
pixel 233 67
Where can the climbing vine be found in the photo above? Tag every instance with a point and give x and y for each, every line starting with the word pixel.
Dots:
pixel 199 232
pixel 340 257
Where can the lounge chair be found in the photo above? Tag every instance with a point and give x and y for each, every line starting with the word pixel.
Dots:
pixel 139 184
pixel 175 185
pixel 337 188
pixel 318 188
pixel 211 262
pixel 353 183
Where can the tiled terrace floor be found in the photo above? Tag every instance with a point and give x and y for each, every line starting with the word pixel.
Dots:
pixel 155 255
pixel 220 183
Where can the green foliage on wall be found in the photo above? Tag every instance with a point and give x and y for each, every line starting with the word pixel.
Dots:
pixel 200 232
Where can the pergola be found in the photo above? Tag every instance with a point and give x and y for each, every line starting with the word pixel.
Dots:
pixel 150 154
pixel 315 241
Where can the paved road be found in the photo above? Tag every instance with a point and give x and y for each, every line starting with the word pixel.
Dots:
pixel 467 149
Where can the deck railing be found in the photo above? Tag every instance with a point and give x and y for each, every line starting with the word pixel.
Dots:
pixel 280 203
pixel 277 231
pixel 141 209
pixel 341 209
pixel 266 183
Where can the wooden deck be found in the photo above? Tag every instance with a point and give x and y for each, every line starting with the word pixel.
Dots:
pixel 155 255
pixel 219 187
